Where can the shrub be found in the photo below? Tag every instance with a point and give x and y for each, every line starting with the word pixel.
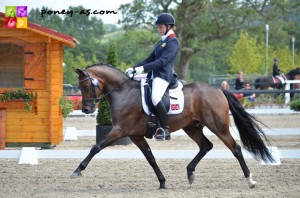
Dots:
pixel 66 106
pixel 295 105
pixel 103 114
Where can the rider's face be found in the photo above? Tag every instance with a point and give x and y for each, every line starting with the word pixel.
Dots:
pixel 161 29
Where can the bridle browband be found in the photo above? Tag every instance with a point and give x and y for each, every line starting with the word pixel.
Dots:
pixel 96 99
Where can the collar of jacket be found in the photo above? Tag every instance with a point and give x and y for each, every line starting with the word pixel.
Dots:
pixel 170 33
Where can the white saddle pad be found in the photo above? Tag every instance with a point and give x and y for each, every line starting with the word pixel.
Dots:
pixel 176 105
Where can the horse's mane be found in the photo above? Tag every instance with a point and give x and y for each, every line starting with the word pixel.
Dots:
pixel 111 67
pixel 105 65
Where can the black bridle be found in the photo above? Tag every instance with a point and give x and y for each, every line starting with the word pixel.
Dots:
pixel 92 101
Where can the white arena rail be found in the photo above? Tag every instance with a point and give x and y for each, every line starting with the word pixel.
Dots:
pixel 287 87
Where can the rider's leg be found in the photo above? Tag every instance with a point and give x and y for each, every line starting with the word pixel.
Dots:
pixel 280 78
pixel 159 87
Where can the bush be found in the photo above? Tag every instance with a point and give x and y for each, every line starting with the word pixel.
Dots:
pixel 295 105
pixel 66 106
pixel 103 114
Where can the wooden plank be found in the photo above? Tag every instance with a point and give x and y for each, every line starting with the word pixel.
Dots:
pixel 24 129
pixel 27 122
pixel 26 115
pixel 2 128
pixel 27 136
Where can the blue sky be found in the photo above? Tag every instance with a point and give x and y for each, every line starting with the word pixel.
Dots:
pixel 59 5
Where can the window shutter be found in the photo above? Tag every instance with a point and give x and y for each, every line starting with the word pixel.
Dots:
pixel 35 66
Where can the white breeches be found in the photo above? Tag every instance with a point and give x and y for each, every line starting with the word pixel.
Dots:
pixel 280 78
pixel 159 87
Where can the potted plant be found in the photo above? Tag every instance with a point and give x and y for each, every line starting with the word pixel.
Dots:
pixel 103 117
pixel 18 98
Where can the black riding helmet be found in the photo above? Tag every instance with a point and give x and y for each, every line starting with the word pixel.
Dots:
pixel 165 19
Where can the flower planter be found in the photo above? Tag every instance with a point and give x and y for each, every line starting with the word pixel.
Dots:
pixel 18 104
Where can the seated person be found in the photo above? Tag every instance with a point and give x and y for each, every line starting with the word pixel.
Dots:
pixel 250 95
pixel 224 85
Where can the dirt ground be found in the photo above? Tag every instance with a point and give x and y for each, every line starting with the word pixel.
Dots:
pixel 135 178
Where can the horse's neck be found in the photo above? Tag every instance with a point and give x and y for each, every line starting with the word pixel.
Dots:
pixel 126 93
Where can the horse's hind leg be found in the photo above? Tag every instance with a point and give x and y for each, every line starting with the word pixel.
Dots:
pixel 144 147
pixel 237 152
pixel 196 133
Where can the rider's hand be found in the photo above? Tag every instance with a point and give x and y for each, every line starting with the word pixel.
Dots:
pixel 129 71
pixel 139 69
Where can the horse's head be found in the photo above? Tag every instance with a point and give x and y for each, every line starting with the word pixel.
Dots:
pixel 91 90
pixel 291 74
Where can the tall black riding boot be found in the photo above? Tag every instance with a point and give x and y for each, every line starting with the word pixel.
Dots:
pixel 162 134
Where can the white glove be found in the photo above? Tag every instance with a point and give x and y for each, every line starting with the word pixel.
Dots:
pixel 129 72
pixel 139 69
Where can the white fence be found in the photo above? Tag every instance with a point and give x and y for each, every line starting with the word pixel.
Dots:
pixel 287 87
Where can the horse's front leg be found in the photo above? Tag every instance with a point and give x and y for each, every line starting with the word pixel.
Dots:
pixel 111 137
pixel 144 147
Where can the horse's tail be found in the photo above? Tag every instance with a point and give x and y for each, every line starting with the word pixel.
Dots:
pixel 249 130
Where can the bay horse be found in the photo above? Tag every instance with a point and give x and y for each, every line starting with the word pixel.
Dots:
pixel 294 74
pixel 204 106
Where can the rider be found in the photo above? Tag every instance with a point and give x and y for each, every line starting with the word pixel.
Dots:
pixel 159 66
pixel 276 71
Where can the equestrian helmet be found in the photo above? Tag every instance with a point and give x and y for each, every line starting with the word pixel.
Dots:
pixel 165 18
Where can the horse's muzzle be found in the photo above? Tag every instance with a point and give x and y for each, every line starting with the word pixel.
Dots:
pixel 88 109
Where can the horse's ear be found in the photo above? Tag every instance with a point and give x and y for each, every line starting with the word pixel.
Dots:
pixel 78 71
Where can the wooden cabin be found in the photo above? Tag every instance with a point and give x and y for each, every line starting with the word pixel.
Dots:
pixel 32 58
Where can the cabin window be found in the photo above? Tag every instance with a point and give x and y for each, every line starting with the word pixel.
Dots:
pixel 11 66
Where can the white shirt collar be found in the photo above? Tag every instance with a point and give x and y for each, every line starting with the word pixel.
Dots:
pixel 168 34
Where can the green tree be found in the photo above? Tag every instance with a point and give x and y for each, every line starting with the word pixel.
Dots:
pixel 135 46
pixel 246 55
pixel 103 115
pixel 112 57
pixel 284 56
pixel 199 23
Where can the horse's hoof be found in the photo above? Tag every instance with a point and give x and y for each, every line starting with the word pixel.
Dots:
pixel 162 185
pixel 252 185
pixel 251 182
pixel 75 175
pixel 191 179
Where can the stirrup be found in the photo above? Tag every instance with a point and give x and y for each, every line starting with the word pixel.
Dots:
pixel 160 135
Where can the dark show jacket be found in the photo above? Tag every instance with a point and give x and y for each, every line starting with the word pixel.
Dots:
pixel 162 59
pixel 276 70
pixel 238 84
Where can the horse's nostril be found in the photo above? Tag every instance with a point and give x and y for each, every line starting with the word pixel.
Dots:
pixel 86 111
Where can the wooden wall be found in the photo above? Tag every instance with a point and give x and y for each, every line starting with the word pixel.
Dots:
pixel 45 125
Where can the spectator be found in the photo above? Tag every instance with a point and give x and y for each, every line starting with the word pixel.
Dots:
pixel 249 95
pixel 239 82
pixel 224 85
